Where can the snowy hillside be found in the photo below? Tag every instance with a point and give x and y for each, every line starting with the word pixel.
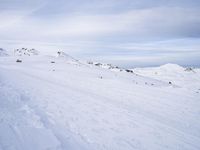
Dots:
pixel 53 103
pixel 188 78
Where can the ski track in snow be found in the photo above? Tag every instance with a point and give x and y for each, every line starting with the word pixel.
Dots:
pixel 64 106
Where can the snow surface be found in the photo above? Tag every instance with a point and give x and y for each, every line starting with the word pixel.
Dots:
pixel 52 103
pixel 3 52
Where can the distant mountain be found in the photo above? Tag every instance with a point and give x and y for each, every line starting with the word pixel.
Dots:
pixel 171 67
pixel 172 73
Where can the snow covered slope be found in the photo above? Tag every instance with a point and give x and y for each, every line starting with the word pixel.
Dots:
pixel 188 78
pixel 49 103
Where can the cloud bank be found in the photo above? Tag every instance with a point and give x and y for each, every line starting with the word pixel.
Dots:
pixel 91 28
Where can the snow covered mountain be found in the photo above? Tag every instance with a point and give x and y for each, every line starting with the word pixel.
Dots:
pixel 53 103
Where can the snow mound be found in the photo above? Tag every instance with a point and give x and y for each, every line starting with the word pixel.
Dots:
pixel 25 52
pixel 3 52
pixel 171 67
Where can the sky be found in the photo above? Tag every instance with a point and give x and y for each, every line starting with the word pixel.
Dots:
pixel 129 33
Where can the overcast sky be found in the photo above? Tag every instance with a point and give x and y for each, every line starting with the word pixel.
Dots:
pixel 124 32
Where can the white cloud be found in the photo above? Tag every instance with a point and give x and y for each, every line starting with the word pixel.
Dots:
pixel 161 21
pixel 114 31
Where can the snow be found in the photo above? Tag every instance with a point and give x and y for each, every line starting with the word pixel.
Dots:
pixel 188 78
pixel 3 52
pixel 67 105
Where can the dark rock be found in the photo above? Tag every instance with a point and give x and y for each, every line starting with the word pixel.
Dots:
pixel 189 69
pixel 98 64
pixel 130 71
pixel 18 60
pixel 90 62
pixel 25 51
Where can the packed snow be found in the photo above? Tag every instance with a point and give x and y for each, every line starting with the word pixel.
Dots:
pixel 60 103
